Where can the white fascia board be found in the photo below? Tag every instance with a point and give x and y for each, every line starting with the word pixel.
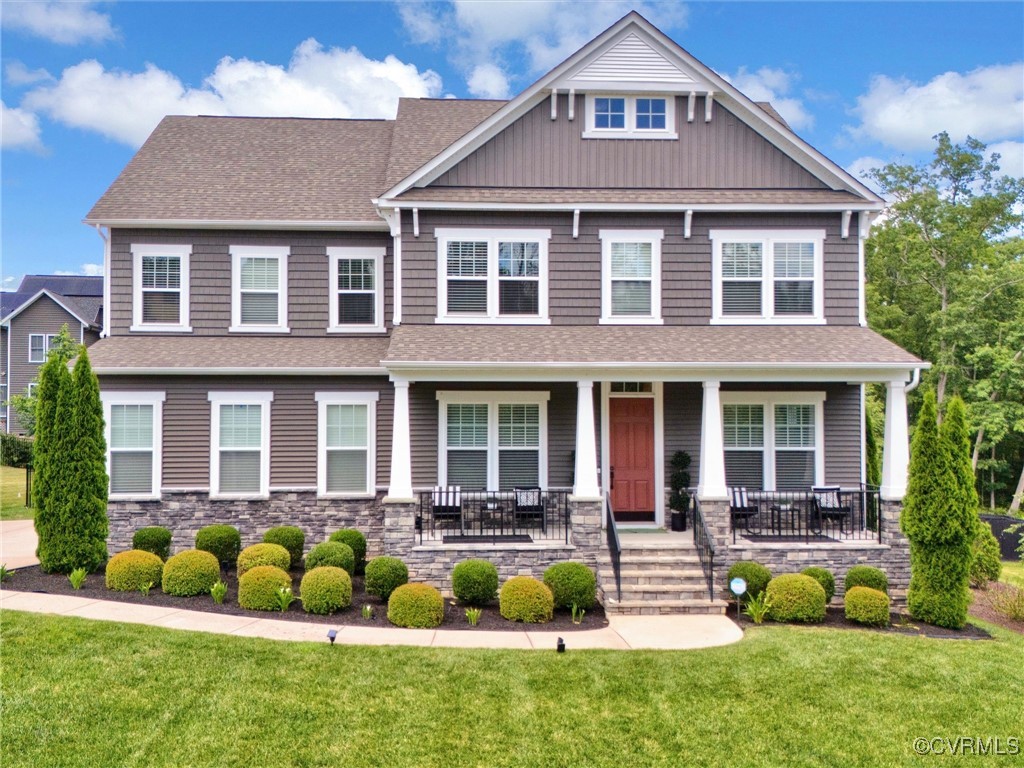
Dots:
pixel 629 207
pixel 155 371
pixel 55 299
pixel 356 226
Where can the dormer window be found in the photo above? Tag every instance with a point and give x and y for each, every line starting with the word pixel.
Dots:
pixel 630 117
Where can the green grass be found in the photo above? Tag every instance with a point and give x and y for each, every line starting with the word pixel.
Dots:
pixel 1013 572
pixel 84 693
pixel 12 494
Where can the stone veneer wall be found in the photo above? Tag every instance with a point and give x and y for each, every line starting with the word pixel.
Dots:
pixel 892 555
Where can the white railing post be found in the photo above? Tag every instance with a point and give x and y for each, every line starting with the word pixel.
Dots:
pixel 711 484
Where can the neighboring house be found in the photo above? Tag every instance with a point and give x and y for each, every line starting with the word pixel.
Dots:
pixel 319 322
pixel 29 319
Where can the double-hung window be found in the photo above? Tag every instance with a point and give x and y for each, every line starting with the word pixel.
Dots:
pixel 630 117
pixel 356 289
pixel 493 440
pixel 631 276
pixel 259 293
pixel 773 441
pixel 160 286
pixel 496 276
pixel 134 426
pixel 347 454
pixel 39 346
pixel 240 444
pixel 773 276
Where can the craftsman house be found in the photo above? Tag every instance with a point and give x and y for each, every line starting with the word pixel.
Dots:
pixel 484 328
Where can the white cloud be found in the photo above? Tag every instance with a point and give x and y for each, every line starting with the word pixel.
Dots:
pixel 19 129
pixel 67 23
pixel 488 82
pixel 986 103
pixel 317 82
pixel 17 74
pixel 773 85
pixel 89 270
pixel 1011 157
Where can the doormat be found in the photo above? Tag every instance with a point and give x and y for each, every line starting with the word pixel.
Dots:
pixel 509 539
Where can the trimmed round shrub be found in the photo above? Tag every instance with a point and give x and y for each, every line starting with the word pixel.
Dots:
pixel 191 572
pixel 475 582
pixel 525 599
pixel 824 577
pixel 752 572
pixel 263 554
pixel 986 559
pixel 289 537
pixel 416 605
pixel 572 583
pixel 867 576
pixel 222 541
pixel 795 597
pixel 384 575
pixel 332 553
pixel 133 570
pixel 325 589
pixel 357 541
pixel 867 606
pixel 157 540
pixel 258 586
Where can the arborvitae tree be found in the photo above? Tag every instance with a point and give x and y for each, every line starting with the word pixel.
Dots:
pixel 873 465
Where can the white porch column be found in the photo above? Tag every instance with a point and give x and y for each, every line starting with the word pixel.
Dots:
pixel 400 487
pixel 586 486
pixel 711 484
pixel 896 451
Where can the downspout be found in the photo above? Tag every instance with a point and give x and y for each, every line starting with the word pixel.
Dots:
pixel 914 381
pixel 105 331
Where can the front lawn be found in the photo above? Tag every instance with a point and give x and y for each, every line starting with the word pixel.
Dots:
pixel 1013 572
pixel 101 694
pixel 12 494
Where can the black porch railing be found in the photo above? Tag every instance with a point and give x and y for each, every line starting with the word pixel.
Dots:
pixel 704 544
pixel 496 517
pixel 849 514
pixel 614 546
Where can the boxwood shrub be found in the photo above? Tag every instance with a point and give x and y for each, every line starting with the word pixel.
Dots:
pixel 475 582
pixel 289 537
pixel 155 539
pixel 795 597
pixel 867 606
pixel 133 570
pixel 325 589
pixel 572 583
pixel 756 575
pixel 258 586
pixel 384 575
pixel 867 576
pixel 525 599
pixel 824 577
pixel 357 542
pixel 222 541
pixel 416 605
pixel 191 572
pixel 263 554
pixel 332 553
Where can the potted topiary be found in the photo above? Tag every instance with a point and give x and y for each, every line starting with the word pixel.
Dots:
pixel 679 499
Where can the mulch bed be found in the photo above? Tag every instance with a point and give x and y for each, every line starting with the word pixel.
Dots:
pixel 900 624
pixel 33 579
pixel 981 607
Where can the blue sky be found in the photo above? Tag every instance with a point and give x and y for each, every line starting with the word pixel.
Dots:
pixel 84 83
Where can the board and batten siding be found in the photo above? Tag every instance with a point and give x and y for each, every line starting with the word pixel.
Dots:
pixel 537 151
pixel 293 422
pixel 574 265
pixel 210 274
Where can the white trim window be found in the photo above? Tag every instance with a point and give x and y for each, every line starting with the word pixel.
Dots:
pixel 31 388
pixel 240 444
pixel 774 441
pixel 768 277
pixel 356 289
pixel 134 434
pixel 493 440
pixel 160 287
pixel 631 276
pixel 346 444
pixel 39 346
pixel 618 116
pixel 259 289
pixel 492 275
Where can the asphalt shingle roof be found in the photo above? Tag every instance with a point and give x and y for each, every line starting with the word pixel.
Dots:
pixel 65 285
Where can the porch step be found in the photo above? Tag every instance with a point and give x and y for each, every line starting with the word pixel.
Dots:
pixel 660 562
pixel 669 576
pixel 633 607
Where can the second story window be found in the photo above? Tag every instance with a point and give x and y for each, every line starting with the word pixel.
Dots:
pixel 39 345
pixel 630 117
pixel 495 276
pixel 631 276
pixel 356 289
pixel 259 292
pixel 160 281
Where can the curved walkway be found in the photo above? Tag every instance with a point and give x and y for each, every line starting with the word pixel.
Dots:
pixel 622 633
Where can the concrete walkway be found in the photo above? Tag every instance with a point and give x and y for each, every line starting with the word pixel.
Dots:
pixel 18 542
pixel 622 633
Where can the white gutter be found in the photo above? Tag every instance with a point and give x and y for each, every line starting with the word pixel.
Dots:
pixel 672 207
pixel 235 371
pixel 916 379
pixel 438 364
pixel 105 330
pixel 313 225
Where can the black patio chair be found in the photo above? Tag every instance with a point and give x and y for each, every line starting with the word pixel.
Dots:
pixel 528 506
pixel 828 505
pixel 741 511
pixel 446 506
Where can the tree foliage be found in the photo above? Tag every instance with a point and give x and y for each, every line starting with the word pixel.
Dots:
pixel 24 405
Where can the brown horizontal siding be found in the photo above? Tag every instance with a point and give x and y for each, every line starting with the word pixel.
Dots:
pixel 210 279
pixel 537 151
pixel 4 379
pixel 683 415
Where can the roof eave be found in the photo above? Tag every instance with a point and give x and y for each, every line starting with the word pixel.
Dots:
pixel 385 203
pixel 55 298
pixel 360 225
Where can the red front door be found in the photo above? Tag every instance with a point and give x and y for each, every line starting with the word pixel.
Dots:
pixel 631 437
